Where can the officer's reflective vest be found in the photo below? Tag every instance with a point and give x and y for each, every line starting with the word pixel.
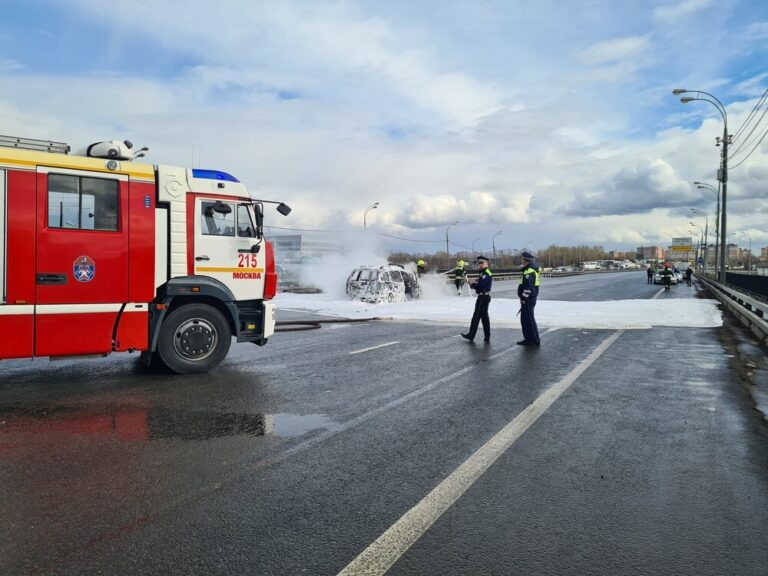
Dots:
pixel 531 270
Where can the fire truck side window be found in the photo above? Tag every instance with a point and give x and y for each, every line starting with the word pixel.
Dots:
pixel 82 203
pixel 214 223
pixel 245 225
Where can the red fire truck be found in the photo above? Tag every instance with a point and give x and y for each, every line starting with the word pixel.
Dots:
pixel 99 254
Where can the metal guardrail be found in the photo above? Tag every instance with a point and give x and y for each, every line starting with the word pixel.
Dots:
pixel 748 282
pixel 515 274
pixel 751 312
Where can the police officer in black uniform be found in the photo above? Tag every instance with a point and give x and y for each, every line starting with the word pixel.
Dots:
pixel 528 292
pixel 483 289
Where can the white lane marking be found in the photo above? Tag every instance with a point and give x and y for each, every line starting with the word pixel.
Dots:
pixel 375 347
pixel 659 293
pixel 392 544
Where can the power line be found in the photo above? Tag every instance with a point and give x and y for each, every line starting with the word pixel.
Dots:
pixel 746 142
pixel 408 239
pixel 752 113
pixel 336 231
pixel 379 233
pixel 299 229
pixel 751 151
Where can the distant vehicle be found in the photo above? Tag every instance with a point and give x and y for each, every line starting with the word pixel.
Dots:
pixel 589 266
pixel 658 278
pixel 391 283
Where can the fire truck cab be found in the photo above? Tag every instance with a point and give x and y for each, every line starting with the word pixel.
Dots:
pixel 99 254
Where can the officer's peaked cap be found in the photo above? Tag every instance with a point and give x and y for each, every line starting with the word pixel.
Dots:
pixel 527 256
pixel 481 259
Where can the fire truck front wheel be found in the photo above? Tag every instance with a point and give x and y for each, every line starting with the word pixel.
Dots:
pixel 194 338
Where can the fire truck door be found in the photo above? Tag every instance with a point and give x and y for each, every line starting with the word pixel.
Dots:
pixel 81 272
pixel 224 238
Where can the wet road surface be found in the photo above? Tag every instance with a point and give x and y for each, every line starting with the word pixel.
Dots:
pixel 294 458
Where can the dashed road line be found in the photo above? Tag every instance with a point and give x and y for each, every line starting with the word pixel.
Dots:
pixel 375 347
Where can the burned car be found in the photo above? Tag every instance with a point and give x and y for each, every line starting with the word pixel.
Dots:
pixel 392 283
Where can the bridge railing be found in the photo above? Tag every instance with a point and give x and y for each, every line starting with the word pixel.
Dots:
pixel 750 311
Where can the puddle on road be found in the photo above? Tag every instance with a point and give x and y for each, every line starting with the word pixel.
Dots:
pixel 132 423
pixel 291 425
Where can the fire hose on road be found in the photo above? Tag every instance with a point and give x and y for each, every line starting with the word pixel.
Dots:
pixel 298 325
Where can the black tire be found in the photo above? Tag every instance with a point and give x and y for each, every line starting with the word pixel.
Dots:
pixel 194 338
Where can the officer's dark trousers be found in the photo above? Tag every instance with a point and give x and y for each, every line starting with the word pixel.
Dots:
pixel 528 321
pixel 481 314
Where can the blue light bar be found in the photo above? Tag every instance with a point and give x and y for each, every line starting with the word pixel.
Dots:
pixel 213 175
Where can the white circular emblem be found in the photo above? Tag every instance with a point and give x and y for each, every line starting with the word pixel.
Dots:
pixel 174 188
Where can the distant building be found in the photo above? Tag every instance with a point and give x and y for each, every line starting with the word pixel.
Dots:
pixel 650 253
pixel 764 253
pixel 733 254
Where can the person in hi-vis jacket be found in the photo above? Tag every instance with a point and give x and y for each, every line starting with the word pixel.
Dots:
pixel 528 292
pixel 483 289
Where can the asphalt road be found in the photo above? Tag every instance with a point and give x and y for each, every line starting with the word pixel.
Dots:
pixel 399 445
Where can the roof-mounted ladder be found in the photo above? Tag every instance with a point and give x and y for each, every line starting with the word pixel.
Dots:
pixel 33 144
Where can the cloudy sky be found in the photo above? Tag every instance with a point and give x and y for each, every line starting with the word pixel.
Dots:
pixel 550 121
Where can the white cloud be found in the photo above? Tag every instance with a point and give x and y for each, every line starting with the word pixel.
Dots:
pixel 440 208
pixel 681 9
pixel 332 41
pixel 615 51
pixel 757 31
pixel 7 65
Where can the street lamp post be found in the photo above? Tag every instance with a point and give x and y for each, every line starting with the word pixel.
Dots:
pixel 716 192
pixel 701 234
pixel 493 243
pixel 706 237
pixel 722 173
pixel 447 251
pixel 365 214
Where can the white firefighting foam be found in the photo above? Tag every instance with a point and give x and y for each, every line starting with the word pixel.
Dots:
pixel 614 314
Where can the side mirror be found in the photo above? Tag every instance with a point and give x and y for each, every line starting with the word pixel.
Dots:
pixel 259 212
pixel 221 208
pixel 284 209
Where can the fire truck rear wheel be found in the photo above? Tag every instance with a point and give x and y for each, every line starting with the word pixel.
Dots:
pixel 194 338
